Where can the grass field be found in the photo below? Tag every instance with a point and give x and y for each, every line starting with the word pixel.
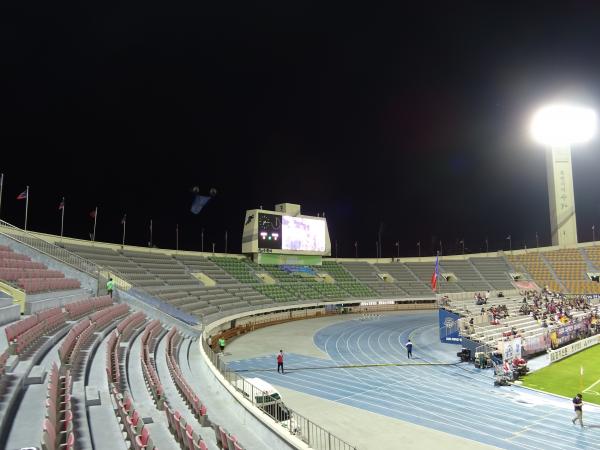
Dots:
pixel 563 377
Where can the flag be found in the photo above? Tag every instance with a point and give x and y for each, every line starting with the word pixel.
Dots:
pixel 62 204
pixel 123 219
pixel 22 195
pixel 508 237
pixel 436 274
pixel 93 214
pixel 200 202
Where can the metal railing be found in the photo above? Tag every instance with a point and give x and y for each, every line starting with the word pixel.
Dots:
pixel 313 435
pixel 59 253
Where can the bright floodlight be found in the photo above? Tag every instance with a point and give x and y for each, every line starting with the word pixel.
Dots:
pixel 563 125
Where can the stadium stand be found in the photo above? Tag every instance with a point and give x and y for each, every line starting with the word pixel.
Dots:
pixel 151 389
pixel 32 277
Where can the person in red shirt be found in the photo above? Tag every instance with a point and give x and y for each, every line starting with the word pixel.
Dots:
pixel 280 361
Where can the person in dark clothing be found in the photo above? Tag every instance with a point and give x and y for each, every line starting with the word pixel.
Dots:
pixel 409 348
pixel 280 361
pixel 578 406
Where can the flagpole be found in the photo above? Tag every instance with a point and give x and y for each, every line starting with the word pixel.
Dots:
pixel 95 220
pixel 62 219
pixel 177 237
pixel 1 187
pixel 26 206
pixel 150 232
pixel 225 241
pixel 124 225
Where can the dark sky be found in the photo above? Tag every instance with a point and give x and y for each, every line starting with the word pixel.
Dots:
pixel 414 118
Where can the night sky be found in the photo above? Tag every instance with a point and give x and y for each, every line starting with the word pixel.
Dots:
pixel 412 121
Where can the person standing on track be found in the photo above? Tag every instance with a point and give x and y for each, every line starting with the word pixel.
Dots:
pixel 578 405
pixel 280 362
pixel 409 348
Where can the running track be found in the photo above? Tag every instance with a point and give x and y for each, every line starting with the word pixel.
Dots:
pixel 457 399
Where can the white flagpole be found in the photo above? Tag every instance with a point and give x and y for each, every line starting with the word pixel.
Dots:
pixel 1 186
pixel 62 219
pixel 26 205
pixel 124 225
pixel 95 220
pixel 150 232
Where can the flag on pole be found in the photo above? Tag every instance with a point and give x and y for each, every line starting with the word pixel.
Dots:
pixel 508 237
pixel 436 274
pixel 62 204
pixel 22 195
pixel 93 214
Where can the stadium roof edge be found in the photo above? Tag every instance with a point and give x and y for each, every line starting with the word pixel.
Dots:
pixel 58 240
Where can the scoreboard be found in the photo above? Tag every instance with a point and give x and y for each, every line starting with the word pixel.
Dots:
pixel 284 233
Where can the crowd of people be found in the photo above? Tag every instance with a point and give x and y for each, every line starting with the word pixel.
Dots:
pixel 552 308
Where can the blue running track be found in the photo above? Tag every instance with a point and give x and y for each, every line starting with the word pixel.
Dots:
pixel 457 399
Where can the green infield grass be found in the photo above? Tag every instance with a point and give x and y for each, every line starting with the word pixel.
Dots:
pixel 563 377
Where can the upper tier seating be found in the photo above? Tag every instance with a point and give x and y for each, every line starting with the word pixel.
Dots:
pixel 31 276
pixel 235 267
pixel 495 271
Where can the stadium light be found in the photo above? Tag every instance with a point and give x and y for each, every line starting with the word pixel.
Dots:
pixel 563 125
pixel 558 126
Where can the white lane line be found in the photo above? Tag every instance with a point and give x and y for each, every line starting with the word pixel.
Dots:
pixel 347 339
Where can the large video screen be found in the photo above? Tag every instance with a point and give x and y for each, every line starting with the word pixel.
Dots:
pixel 302 234
pixel 269 231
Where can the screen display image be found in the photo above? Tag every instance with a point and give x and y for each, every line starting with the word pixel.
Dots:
pixel 269 231
pixel 302 234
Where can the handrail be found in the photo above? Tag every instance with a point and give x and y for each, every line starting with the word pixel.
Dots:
pixel 314 435
pixel 56 252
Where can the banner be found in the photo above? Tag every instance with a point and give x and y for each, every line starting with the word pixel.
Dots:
pixel 535 344
pixel 448 325
pixel 568 333
pixel 511 349
pixel 568 350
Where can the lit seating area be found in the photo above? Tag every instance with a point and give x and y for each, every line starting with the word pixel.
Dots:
pixel 337 271
pixel 467 276
pixel 31 276
pixel 102 256
pixel 25 334
pixel 58 427
pixel 495 270
pixel 237 268
pixel 535 265
pixel 563 270
pixel 200 264
pixel 277 293
pixel 357 290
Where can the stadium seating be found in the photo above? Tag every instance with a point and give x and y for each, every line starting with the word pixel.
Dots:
pixel 150 376
pixel 31 276
pixel 237 268
pixel 58 425
pixel 26 333
pixel 192 400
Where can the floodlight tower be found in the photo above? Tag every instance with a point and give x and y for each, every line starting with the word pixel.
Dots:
pixel 558 127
